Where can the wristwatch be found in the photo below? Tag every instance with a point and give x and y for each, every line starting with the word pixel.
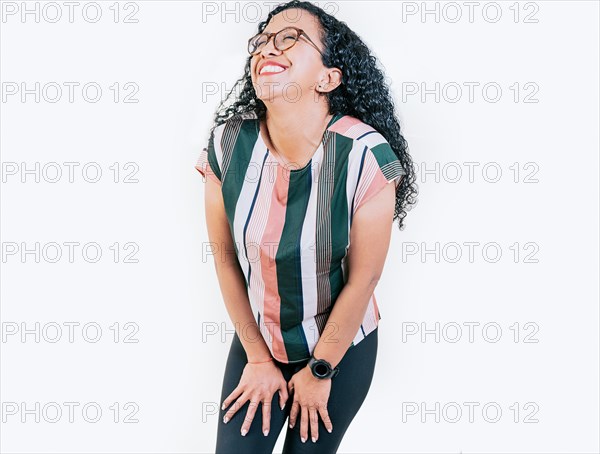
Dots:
pixel 321 368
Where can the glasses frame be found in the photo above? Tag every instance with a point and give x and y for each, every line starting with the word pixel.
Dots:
pixel 270 35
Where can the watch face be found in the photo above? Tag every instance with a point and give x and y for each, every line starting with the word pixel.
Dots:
pixel 321 369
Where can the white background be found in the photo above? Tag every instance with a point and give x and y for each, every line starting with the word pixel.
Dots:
pixel 173 374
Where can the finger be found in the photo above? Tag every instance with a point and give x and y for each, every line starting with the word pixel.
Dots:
pixel 325 417
pixel 234 394
pixel 249 417
pixel 266 412
pixel 235 407
pixel 294 413
pixel 283 394
pixel 314 422
pixel 304 424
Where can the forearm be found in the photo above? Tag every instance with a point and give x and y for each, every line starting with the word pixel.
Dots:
pixel 235 296
pixel 344 321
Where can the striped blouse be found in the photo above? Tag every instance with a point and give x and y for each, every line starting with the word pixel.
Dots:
pixel 291 227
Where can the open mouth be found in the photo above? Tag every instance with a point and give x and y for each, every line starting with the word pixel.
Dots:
pixel 269 70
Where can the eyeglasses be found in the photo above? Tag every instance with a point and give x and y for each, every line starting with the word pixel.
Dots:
pixel 284 40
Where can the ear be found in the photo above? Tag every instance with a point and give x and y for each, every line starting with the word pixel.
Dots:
pixel 331 80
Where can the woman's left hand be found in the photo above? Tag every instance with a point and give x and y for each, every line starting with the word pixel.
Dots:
pixel 310 396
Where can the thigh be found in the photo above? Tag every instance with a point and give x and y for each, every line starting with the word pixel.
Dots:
pixel 229 437
pixel 348 392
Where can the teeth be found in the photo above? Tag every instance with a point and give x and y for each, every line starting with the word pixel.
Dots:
pixel 271 69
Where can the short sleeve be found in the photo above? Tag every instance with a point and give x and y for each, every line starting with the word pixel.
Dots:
pixel 379 166
pixel 208 162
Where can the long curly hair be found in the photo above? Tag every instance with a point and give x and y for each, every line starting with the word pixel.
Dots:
pixel 362 94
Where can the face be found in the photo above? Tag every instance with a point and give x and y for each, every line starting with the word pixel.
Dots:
pixel 303 67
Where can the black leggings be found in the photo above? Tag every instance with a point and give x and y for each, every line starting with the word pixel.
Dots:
pixel 348 391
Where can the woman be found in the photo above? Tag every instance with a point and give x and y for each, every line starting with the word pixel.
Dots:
pixel 311 139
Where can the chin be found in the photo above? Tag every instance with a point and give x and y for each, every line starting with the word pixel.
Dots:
pixel 269 92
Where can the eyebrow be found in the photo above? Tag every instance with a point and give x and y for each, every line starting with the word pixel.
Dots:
pixel 265 31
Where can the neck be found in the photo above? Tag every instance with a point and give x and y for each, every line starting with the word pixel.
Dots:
pixel 295 130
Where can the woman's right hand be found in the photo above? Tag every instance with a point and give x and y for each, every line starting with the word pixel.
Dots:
pixel 258 385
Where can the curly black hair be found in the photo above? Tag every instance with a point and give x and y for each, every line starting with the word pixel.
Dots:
pixel 362 94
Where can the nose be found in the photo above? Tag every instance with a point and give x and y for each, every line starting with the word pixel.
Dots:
pixel 269 48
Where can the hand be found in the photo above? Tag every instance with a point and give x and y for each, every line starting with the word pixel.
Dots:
pixel 257 384
pixel 310 395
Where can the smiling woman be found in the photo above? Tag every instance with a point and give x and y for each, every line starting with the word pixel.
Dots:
pixel 298 172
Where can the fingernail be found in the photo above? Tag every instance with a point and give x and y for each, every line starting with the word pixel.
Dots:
pixel 266 432
pixel 329 430
pixel 223 406
pixel 303 439
pixel 291 426
pixel 225 419
pixel 244 432
pixel 314 439
pixel 282 406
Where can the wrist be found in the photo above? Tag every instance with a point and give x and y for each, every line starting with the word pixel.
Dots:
pixel 258 354
pixel 258 360
pixel 321 369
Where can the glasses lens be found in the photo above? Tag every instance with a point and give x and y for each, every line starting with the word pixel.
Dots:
pixel 286 38
pixel 257 43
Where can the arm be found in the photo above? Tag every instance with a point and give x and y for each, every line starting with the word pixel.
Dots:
pixel 231 278
pixel 369 242
pixel 259 381
pixel 369 239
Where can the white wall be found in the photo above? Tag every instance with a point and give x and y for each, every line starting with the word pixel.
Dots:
pixel 540 370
